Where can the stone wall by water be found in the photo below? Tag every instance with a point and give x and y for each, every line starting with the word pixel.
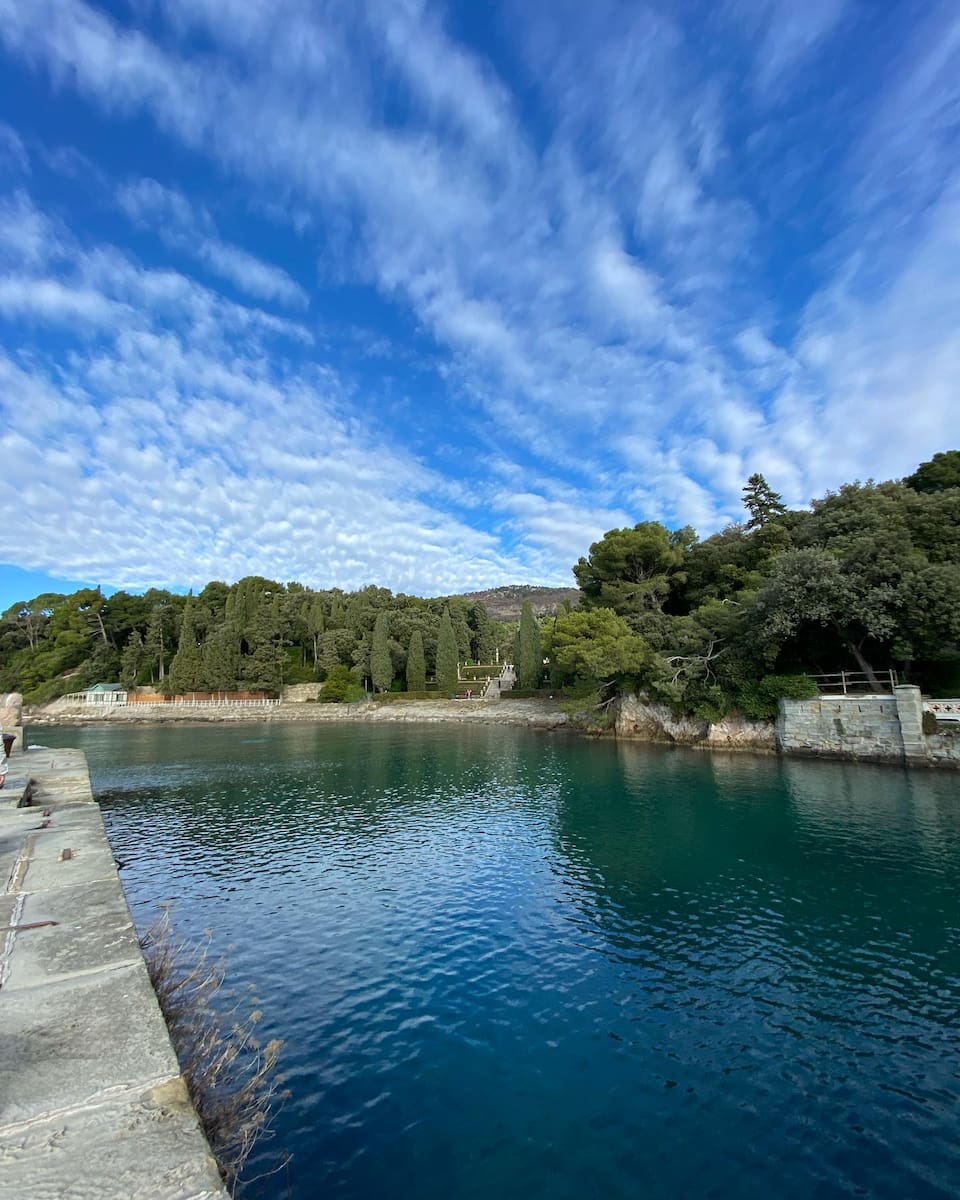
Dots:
pixel 885 728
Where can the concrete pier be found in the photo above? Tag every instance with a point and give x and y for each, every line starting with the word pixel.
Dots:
pixel 92 1102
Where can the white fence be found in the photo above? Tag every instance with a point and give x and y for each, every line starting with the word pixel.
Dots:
pixel 177 702
pixel 943 710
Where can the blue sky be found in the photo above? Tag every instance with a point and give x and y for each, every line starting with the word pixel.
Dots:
pixel 433 295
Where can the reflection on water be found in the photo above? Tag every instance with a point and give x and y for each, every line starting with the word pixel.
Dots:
pixel 517 965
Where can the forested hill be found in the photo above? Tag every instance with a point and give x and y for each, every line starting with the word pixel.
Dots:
pixel 257 634
pixel 506 603
pixel 866 579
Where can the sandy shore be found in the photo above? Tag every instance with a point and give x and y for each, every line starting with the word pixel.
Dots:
pixel 539 714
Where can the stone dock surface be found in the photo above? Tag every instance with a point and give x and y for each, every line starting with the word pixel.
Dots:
pixel 92 1102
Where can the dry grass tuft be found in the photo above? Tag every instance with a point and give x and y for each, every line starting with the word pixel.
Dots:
pixel 232 1079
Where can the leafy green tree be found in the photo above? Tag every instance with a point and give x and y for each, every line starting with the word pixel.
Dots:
pixel 447 659
pixel 381 664
pixel 761 502
pixel 595 645
pixel 937 475
pixel 341 687
pixel 530 659
pixel 416 664
pixel 810 587
pixel 186 668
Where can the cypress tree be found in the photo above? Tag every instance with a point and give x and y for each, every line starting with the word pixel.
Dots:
pixel 155 649
pixel 416 664
pixel 262 667
pixel 221 659
pixel 381 664
pixel 132 659
pixel 447 659
pixel 530 664
pixel 186 669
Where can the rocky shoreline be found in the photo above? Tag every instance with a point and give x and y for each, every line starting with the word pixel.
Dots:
pixel 540 714
pixel 637 720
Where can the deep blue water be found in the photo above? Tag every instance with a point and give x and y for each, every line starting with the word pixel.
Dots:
pixel 518 965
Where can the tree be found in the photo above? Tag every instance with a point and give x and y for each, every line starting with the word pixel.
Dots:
pixel 221 658
pixel 132 659
pixel 186 669
pixel 341 686
pixel 810 587
pixel 416 664
pixel 762 502
pixel 530 659
pixel 262 667
pixel 316 624
pixel 156 645
pixel 937 475
pixel 596 645
pixel 447 660
pixel 632 570
pixel 381 664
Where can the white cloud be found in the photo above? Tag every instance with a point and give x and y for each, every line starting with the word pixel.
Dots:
pixel 600 284
pixel 182 226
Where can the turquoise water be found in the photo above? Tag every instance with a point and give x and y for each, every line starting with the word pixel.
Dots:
pixel 518 965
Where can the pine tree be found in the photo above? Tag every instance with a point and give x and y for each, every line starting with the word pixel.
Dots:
pixel 447 659
pixel 186 669
pixel 762 502
pixel 530 659
pixel 416 664
pixel 381 664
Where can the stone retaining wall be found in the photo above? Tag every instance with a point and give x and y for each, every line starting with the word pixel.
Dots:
pixel 887 728
pixel 92 1102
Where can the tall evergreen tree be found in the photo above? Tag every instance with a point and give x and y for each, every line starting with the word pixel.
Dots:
pixel 761 502
pixel 221 659
pixel 131 661
pixel 316 624
pixel 186 669
pixel 447 659
pixel 381 664
pixel 416 664
pixel 262 667
pixel 156 645
pixel 530 661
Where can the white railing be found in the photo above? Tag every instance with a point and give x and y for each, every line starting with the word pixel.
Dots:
pixel 845 683
pixel 943 710
pixel 175 702
pixel 180 702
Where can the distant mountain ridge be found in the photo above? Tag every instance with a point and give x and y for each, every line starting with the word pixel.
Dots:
pixel 504 603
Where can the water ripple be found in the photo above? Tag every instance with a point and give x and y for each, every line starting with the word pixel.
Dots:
pixel 516 966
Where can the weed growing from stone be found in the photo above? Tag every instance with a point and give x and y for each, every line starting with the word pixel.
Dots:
pixel 233 1080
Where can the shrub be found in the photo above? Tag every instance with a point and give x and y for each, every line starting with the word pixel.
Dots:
pixel 760 699
pixel 232 1080
pixel 341 687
